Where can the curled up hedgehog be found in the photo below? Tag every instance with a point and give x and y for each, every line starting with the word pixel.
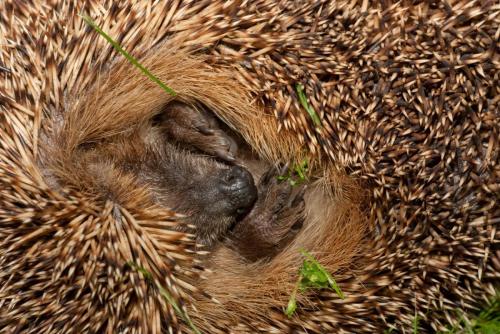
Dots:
pixel 126 209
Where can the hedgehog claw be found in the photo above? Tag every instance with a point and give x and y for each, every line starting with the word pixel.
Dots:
pixel 299 197
pixel 205 129
pixel 284 168
pixel 266 178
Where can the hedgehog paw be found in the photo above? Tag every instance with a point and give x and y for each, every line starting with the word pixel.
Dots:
pixel 198 129
pixel 274 221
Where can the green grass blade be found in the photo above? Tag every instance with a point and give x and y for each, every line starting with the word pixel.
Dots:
pixel 180 312
pixel 301 170
pixel 415 324
pixel 129 57
pixel 333 284
pixel 177 309
pixel 291 307
pixel 292 303
pixel 303 100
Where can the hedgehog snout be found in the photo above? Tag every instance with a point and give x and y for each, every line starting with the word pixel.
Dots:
pixel 238 185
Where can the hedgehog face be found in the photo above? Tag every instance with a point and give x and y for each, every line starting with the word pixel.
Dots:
pixel 213 195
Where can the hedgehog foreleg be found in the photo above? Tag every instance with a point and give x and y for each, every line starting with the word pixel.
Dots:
pixel 198 129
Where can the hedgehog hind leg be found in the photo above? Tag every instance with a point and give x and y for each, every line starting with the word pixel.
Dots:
pixel 198 129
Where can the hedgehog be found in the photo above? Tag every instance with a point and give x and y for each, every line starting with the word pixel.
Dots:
pixel 404 162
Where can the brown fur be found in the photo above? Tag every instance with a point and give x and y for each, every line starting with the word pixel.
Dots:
pixel 91 142
pixel 405 92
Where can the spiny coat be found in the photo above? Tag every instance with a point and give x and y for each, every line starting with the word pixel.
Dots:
pixel 408 98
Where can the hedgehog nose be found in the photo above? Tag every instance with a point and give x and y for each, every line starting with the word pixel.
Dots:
pixel 239 186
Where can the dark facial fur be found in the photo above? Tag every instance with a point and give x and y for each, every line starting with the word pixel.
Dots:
pixel 212 194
